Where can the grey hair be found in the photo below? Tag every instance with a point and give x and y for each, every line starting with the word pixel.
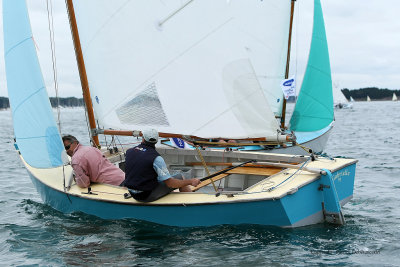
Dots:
pixel 70 138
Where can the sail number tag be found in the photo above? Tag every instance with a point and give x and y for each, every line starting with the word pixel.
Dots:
pixel 179 143
pixel 289 87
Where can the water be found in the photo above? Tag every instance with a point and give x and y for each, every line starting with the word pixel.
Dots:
pixel 32 233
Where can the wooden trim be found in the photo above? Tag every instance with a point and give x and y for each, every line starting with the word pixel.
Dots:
pixel 233 164
pixel 82 70
pixel 209 181
pixel 255 171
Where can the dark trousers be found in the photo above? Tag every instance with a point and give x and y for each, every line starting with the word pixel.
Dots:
pixel 161 190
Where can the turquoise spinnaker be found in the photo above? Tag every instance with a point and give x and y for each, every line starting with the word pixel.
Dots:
pixel 314 107
pixel 35 129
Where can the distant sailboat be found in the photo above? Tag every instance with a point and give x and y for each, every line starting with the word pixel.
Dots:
pixel 368 99
pixel 339 100
pixel 394 98
pixel 351 99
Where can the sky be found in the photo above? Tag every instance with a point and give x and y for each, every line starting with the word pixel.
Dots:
pixel 363 40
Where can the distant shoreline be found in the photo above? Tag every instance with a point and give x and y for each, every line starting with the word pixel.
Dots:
pixel 374 93
pixel 357 94
pixel 60 102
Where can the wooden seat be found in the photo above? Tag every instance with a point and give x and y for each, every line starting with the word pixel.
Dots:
pixel 255 171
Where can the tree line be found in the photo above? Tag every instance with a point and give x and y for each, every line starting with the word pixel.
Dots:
pixel 357 94
pixel 55 102
pixel 373 92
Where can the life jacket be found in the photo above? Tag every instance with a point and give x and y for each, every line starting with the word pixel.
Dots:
pixel 139 172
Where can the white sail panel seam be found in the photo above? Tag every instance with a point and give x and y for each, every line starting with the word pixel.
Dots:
pixel 107 112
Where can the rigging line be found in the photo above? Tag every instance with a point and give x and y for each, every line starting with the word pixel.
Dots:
pixel 174 13
pixel 121 145
pixel 291 176
pixel 307 149
pixel 296 46
pixel 106 141
pixel 53 56
pixel 87 123
pixel 205 166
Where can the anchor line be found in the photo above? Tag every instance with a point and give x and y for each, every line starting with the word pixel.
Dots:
pixel 53 57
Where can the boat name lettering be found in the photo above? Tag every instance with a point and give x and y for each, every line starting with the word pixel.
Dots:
pixel 340 174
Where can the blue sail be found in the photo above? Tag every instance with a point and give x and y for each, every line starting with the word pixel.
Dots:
pixel 314 107
pixel 35 129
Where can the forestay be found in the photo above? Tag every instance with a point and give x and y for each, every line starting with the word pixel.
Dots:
pixel 208 68
pixel 35 129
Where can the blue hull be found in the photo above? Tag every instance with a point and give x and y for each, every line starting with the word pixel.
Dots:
pixel 300 208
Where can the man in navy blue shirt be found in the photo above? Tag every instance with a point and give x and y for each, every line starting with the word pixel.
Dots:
pixel 146 174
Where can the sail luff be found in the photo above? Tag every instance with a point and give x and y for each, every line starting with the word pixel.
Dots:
pixel 287 62
pixel 82 71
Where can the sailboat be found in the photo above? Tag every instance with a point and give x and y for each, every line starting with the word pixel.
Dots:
pixel 248 187
pixel 394 98
pixel 339 100
pixel 368 98
pixel 351 99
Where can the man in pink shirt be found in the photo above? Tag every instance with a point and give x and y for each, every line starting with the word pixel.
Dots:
pixel 90 165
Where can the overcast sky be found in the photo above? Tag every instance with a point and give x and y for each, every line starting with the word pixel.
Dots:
pixel 363 39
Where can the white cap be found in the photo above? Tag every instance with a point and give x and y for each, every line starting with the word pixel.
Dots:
pixel 150 135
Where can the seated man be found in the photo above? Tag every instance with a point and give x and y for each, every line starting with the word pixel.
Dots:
pixel 90 165
pixel 146 174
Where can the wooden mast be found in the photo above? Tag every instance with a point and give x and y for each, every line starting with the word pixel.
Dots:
pixel 82 72
pixel 287 63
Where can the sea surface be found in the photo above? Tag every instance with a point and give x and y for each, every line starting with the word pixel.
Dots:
pixel 34 234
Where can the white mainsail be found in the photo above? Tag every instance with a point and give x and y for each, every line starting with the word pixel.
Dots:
pixel 394 98
pixel 201 68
